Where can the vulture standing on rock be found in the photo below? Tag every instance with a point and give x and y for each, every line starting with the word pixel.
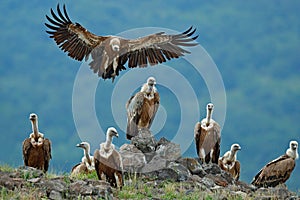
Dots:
pixel 279 170
pixel 110 53
pixel 36 148
pixel 229 162
pixel 108 161
pixel 141 108
pixel 87 164
pixel 208 138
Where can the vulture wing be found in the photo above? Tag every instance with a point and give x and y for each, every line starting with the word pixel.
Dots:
pixel 275 172
pixel 134 112
pixel 97 162
pixel 47 153
pixel 25 147
pixel 197 134
pixel 236 170
pixel 217 141
pixel 155 106
pixel 158 48
pixel 71 37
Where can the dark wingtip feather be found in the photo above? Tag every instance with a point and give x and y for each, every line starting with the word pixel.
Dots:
pixel 187 31
pixel 66 14
pixel 190 33
pixel 61 15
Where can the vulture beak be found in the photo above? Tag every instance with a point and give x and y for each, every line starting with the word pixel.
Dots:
pixel 79 145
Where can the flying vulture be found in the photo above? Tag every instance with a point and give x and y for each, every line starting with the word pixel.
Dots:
pixel 208 138
pixel 87 162
pixel 141 108
pixel 110 53
pixel 108 161
pixel 229 162
pixel 36 148
pixel 279 170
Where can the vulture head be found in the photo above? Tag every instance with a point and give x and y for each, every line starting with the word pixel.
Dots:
pixel 235 147
pixel 293 150
pixel 33 117
pixel 210 107
pixel 151 82
pixel 115 44
pixel 83 145
pixel 111 132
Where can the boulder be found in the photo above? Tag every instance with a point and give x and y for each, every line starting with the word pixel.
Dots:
pixel 168 150
pixel 211 168
pixel 144 141
pixel 156 163
pixel 193 166
pixel 182 172
pixel 133 158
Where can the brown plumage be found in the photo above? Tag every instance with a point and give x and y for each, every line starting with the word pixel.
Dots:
pixel 141 108
pixel 87 164
pixel 279 170
pixel 208 138
pixel 110 53
pixel 36 148
pixel 229 162
pixel 108 161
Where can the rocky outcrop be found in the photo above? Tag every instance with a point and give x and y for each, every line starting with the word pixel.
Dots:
pixel 161 160
pixel 25 179
pixel 152 163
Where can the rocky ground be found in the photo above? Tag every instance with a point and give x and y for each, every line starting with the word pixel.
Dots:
pixel 153 170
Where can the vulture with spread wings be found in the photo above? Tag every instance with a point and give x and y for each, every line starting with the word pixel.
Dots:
pixel 110 53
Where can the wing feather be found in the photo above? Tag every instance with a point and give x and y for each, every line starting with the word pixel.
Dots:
pixel 47 153
pixel 197 133
pixel 155 105
pixel 71 37
pixel 160 47
pixel 25 147
pixel 134 109
pixel 237 170
pixel 275 172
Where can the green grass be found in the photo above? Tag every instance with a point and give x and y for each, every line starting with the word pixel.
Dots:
pixel 6 168
pixel 92 175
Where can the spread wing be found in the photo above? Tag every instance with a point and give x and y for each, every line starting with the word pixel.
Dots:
pixel 47 153
pixel 25 147
pixel 80 43
pixel 71 37
pixel 275 172
pixel 158 48
pixel 134 111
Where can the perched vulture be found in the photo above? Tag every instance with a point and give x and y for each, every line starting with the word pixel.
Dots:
pixel 208 137
pixel 108 161
pixel 141 108
pixel 87 164
pixel 229 162
pixel 110 53
pixel 279 170
pixel 36 148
